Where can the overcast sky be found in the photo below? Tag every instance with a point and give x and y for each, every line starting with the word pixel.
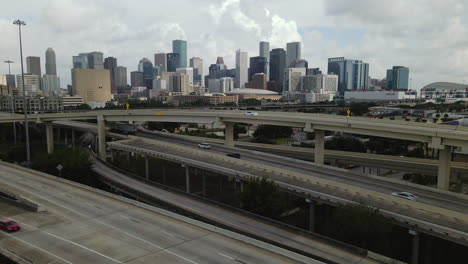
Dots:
pixel 428 36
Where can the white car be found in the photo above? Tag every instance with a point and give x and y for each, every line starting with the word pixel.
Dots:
pixel 405 195
pixel 251 113
pixel 204 145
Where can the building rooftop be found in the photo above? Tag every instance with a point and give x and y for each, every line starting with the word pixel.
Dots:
pixel 444 86
pixel 240 91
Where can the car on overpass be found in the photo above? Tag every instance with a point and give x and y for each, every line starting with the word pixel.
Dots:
pixel 204 145
pixel 251 113
pixel 405 195
pixel 9 226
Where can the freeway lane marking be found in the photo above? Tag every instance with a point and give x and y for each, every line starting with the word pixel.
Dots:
pixel 43 250
pixel 69 241
pixel 226 256
pixel 186 259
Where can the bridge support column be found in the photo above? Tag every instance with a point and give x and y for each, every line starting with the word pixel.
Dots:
pixel 414 247
pixel 50 137
pixel 311 215
pixel 58 135
pixel 187 178
pixel 66 137
pixel 146 168
pixel 203 183
pixel 73 138
pixel 229 135
pixel 443 175
pixel 164 180
pixel 101 137
pixel 319 146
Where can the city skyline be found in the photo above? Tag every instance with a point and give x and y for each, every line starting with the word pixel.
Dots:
pixel 385 36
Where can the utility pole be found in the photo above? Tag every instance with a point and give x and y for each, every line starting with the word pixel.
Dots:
pixel 12 101
pixel 20 23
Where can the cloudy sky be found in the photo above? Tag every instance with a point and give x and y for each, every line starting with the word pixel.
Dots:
pixel 428 36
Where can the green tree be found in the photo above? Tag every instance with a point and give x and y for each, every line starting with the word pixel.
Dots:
pixel 270 131
pixel 346 144
pixel 169 126
pixel 83 107
pixel 77 165
pixel 420 178
pixel 263 197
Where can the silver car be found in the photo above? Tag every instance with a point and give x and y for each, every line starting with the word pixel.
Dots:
pixel 405 195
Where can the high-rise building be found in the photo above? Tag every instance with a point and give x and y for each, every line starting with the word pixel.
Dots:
pixel 241 69
pixel 80 61
pixel 33 65
pixel 264 49
pixel 292 79
pixel 50 84
pixel 257 65
pixel 110 63
pixel 179 83
pixel 180 47
pixel 277 66
pixel 226 84
pixel 219 60
pixel 8 80
pixel 96 60
pixel 398 78
pixel 93 85
pixel 293 52
pixel 320 83
pixel 120 77
pixel 172 62
pixel 259 81
pixel 137 79
pixel 314 71
pixel 197 64
pixel 187 71
pixel 352 74
pixel 147 68
pixel 50 62
pixel 32 83
pixel 160 59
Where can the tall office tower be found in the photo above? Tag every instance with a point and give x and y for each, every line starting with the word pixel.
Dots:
pixel 92 84
pixel 259 81
pixel 352 74
pixel 96 60
pixel 277 66
pixel 292 79
pixel 241 68
pixel 293 52
pixel 80 61
pixel 257 65
pixel 314 71
pixel 219 60
pixel 179 83
pixel 187 71
pixel 398 78
pixel 32 83
pixel 50 62
pixel 264 49
pixel 320 83
pixel 180 47
pixel 226 84
pixel 147 68
pixel 50 84
pixel 10 80
pixel 110 63
pixel 33 65
pixel 197 64
pixel 136 79
pixel 172 62
pixel 160 59
pixel 120 78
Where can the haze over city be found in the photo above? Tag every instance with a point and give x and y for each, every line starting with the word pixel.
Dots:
pixel 382 33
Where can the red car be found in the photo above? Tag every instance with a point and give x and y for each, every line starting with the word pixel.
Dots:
pixel 9 226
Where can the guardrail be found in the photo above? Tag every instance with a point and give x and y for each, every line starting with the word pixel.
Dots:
pixel 16 200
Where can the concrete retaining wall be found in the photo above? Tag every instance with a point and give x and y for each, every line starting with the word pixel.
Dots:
pixel 15 200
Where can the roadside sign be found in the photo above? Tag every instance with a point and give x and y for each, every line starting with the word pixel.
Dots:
pixel 348 112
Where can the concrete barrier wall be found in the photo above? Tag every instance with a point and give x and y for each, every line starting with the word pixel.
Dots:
pixel 15 200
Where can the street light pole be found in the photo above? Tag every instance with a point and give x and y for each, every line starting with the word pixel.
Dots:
pixel 20 23
pixel 12 101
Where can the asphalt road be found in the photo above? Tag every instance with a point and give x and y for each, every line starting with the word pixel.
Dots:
pixel 80 226
pixel 352 178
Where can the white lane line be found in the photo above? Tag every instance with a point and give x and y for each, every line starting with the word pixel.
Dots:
pixel 168 233
pixel 43 250
pixel 69 241
pixel 186 259
pixel 226 256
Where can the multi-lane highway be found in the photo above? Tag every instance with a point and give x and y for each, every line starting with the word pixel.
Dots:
pixel 84 226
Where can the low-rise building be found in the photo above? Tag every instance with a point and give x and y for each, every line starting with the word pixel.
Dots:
pixel 72 101
pixel 212 99
pixel 37 103
pixel 380 95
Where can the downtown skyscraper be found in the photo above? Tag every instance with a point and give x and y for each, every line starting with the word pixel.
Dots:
pixel 352 74
pixel 180 47
pixel 241 68
pixel 33 65
pixel 293 52
pixel 50 62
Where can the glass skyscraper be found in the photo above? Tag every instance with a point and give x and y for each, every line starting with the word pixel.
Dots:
pixel 352 74
pixel 180 47
pixel 398 78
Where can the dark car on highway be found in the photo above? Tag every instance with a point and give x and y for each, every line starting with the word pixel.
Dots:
pixel 9 226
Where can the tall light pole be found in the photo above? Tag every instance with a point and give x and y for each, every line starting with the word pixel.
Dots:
pixel 12 101
pixel 20 23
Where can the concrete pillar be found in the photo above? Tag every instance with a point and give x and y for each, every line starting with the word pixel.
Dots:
pixel 229 135
pixel 203 184
pixel 146 168
pixel 443 175
pixel 50 137
pixel 102 137
pixel 414 247
pixel 96 145
pixel 187 179
pixel 112 155
pixel 66 137
pixel 164 180
pixel 319 146
pixel 73 138
pixel 58 135
pixel 312 215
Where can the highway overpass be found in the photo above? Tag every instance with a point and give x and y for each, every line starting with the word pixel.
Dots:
pixel 86 225
pixel 439 137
